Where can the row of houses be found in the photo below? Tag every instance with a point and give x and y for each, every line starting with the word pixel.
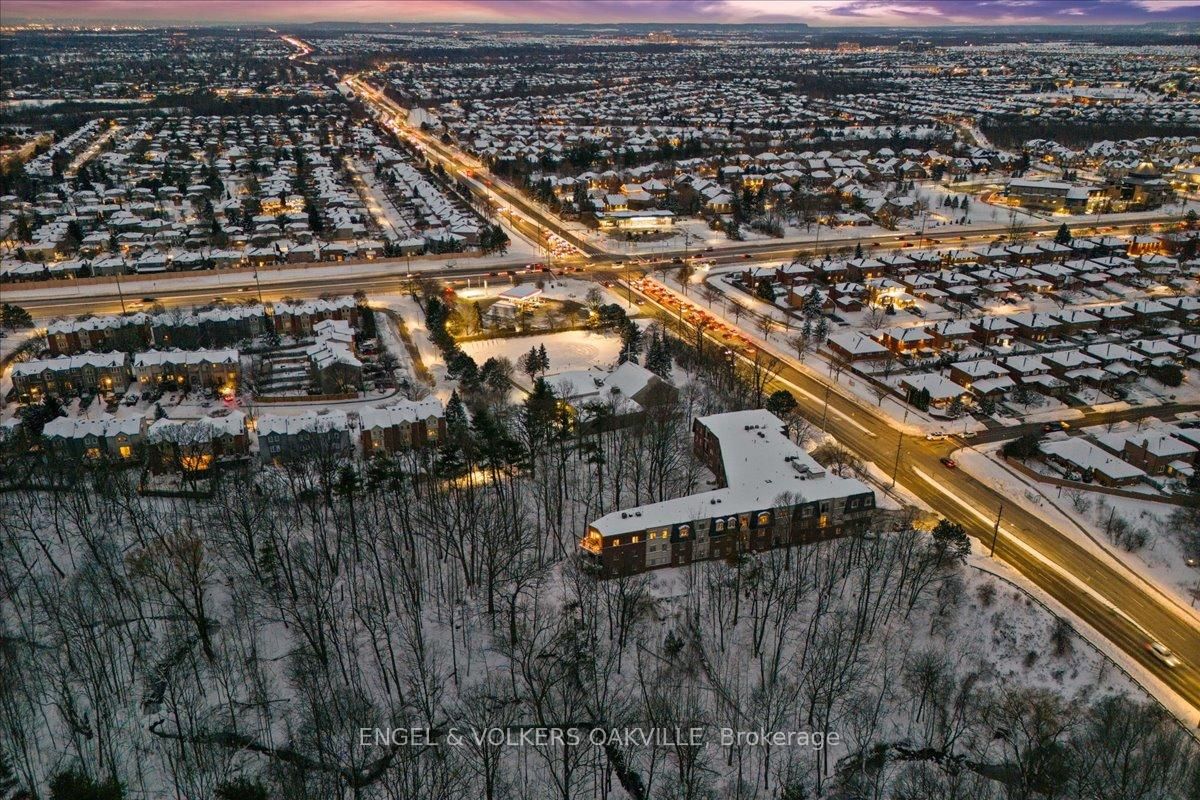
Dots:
pixel 196 445
pixel 1129 456
pixel 1038 265
pixel 113 373
pixel 216 327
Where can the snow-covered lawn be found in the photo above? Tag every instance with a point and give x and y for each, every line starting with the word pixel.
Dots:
pixel 569 350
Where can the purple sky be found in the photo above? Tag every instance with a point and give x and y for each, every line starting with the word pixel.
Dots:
pixel 916 13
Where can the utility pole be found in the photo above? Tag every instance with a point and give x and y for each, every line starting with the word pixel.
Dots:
pixel 896 466
pixel 996 529
pixel 825 410
pixel 259 285
pixel 120 294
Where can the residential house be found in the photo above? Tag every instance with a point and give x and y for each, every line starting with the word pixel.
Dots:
pixel 402 425
pixel 66 376
pixel 218 370
pixel 315 436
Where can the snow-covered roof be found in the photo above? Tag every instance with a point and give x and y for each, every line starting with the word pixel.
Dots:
pixel 1084 455
pixel 101 427
pixel 153 358
pixel 308 422
pixel 762 466
pixel 400 413
pixel 63 363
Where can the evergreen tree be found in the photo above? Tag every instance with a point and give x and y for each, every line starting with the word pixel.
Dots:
pixel 765 291
pixel 543 359
pixel 858 251
pixel 543 418
pixel 74 236
pixel 454 452
pixel 822 332
pixel 631 342
pixel 242 789
pixel 531 363
pixel 13 317
pixel 495 374
pixel 658 356
pixel 463 367
pixel 497 448
pixel 1063 236
pixel 458 428
pixel 812 303
pixel 951 541
pixel 75 785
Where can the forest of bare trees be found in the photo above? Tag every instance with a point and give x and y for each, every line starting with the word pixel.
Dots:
pixel 237 646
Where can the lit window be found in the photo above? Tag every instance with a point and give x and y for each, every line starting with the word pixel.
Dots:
pixel 684 530
pixel 764 518
pixel 720 525
pixel 633 540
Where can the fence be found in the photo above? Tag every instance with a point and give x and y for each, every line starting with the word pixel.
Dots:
pixel 305 398
pixel 1188 501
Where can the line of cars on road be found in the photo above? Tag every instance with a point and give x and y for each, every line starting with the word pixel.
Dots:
pixel 692 314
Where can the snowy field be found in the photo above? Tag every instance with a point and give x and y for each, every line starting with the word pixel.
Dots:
pixel 569 350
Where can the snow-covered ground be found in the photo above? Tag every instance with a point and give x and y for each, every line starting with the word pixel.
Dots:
pixel 1084 515
pixel 1114 668
pixel 11 340
pixel 569 350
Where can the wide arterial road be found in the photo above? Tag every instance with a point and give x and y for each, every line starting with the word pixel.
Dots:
pixel 1126 610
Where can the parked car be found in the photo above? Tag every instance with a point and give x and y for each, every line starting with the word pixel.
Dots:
pixel 935 436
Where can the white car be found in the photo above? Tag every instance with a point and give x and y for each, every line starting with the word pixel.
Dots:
pixel 936 436
pixel 1163 654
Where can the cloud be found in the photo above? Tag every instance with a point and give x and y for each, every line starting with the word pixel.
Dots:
pixel 907 13
pixel 1159 6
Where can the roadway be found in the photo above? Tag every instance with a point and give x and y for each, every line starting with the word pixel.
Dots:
pixel 538 220
pixel 48 300
pixel 1108 597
